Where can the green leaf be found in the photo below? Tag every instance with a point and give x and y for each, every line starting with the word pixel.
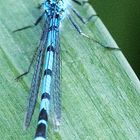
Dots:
pixel 100 91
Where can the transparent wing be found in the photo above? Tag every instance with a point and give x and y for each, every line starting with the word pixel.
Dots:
pixel 56 86
pixel 36 78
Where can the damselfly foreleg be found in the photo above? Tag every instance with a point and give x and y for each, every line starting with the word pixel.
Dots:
pixel 83 20
pixel 81 3
pixel 30 65
pixel 34 56
pixel 77 27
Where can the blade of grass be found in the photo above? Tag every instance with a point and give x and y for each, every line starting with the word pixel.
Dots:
pixel 100 91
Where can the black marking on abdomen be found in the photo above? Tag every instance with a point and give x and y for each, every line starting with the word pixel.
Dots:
pixel 53 28
pixel 45 95
pixel 43 115
pixel 48 72
pixel 50 48
pixel 41 130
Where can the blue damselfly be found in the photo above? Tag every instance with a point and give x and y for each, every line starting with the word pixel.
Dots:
pixel 48 55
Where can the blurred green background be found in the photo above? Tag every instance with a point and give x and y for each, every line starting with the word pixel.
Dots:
pixel 122 18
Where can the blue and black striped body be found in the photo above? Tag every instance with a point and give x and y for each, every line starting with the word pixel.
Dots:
pixel 54 10
pixel 48 55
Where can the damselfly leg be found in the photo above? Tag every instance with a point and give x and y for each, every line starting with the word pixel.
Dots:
pixel 77 27
pixel 37 49
pixel 29 67
pixel 30 26
pixel 80 2
pixel 85 22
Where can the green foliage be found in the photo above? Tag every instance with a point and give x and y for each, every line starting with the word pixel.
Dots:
pixel 100 92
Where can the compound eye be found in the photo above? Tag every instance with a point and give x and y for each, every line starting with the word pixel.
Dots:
pixel 47 3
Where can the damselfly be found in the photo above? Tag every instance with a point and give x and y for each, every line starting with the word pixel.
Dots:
pixel 48 54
